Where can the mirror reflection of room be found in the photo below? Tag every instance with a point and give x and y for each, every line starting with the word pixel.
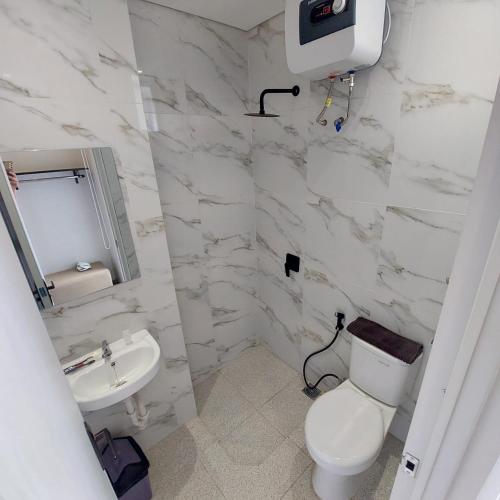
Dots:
pixel 66 216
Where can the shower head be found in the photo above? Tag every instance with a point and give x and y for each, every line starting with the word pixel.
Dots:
pixel 295 91
pixel 262 115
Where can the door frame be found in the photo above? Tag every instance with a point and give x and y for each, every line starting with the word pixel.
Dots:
pixel 24 248
pixel 465 309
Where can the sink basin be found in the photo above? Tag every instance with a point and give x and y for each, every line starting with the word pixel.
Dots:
pixel 130 368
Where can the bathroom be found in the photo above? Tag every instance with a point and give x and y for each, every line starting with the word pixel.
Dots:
pixel 388 216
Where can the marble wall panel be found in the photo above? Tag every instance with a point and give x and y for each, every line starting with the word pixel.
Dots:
pixel 195 92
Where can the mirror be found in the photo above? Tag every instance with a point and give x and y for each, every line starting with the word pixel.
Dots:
pixel 65 213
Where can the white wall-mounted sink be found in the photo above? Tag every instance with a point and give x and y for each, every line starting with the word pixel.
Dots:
pixel 129 369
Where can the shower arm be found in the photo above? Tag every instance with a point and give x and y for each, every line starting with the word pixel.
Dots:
pixel 294 91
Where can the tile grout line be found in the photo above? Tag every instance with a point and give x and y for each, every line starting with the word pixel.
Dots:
pixel 297 480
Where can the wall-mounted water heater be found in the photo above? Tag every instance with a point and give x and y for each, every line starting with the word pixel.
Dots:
pixel 332 37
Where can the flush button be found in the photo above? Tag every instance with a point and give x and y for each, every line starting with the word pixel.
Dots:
pixel 339 6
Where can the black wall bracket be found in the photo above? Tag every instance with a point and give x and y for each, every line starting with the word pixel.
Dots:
pixel 292 264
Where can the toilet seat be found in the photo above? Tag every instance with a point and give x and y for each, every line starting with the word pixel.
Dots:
pixel 345 430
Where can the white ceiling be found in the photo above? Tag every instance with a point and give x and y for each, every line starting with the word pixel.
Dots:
pixel 242 14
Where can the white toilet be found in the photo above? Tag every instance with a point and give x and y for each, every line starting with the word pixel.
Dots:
pixel 345 428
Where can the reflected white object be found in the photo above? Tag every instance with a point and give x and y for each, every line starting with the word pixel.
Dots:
pixel 133 366
pixel 83 266
pixel 345 428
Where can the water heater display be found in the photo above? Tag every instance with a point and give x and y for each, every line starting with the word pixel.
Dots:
pixel 333 37
pixel 321 12
pixel 320 18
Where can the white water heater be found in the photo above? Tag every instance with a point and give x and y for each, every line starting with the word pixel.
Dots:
pixel 332 37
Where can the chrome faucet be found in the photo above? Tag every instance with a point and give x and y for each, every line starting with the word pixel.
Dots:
pixel 106 351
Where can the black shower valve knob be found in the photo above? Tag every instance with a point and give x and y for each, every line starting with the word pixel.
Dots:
pixel 292 263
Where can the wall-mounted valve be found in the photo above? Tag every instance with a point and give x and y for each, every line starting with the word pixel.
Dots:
pixel 341 120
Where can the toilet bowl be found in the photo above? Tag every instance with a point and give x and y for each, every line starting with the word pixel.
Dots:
pixel 345 430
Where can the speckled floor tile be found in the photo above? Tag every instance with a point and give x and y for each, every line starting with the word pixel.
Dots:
pixel 302 488
pixel 238 450
pixel 176 470
pixel 258 375
pixel 287 410
pixel 252 442
pixel 298 436
pixel 220 406
pixel 380 478
pixel 270 480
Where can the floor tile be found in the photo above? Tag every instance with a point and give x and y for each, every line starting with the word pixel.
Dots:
pixel 252 442
pixel 220 407
pixel 176 470
pixel 287 410
pixel 270 480
pixel 298 436
pixel 302 488
pixel 258 375
pixel 237 449
pixel 380 478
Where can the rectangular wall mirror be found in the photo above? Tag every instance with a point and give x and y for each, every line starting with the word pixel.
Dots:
pixel 65 212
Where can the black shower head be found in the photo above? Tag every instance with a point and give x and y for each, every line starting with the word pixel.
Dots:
pixel 262 115
pixel 295 91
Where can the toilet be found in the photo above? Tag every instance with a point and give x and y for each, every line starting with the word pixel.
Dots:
pixel 345 428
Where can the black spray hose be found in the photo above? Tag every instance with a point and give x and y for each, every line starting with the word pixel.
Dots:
pixel 338 329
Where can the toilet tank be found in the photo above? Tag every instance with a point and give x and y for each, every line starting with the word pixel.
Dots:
pixel 379 374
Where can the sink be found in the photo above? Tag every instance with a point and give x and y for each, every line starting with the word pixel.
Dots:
pixel 130 368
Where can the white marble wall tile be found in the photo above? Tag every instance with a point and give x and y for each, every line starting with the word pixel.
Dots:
pixel 355 164
pixel 216 67
pixel 192 296
pixel 163 96
pixel 177 175
pixel 221 155
pixel 117 68
pixel 60 39
pixel 411 276
pixel 183 227
pixel 435 163
pixel 450 38
pixel 232 303
pixel 194 72
pixel 280 226
pixel 229 242
pixel 279 154
pixel 279 317
pixel 344 237
pixel 157 47
pixel 436 158
pixel 155 32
